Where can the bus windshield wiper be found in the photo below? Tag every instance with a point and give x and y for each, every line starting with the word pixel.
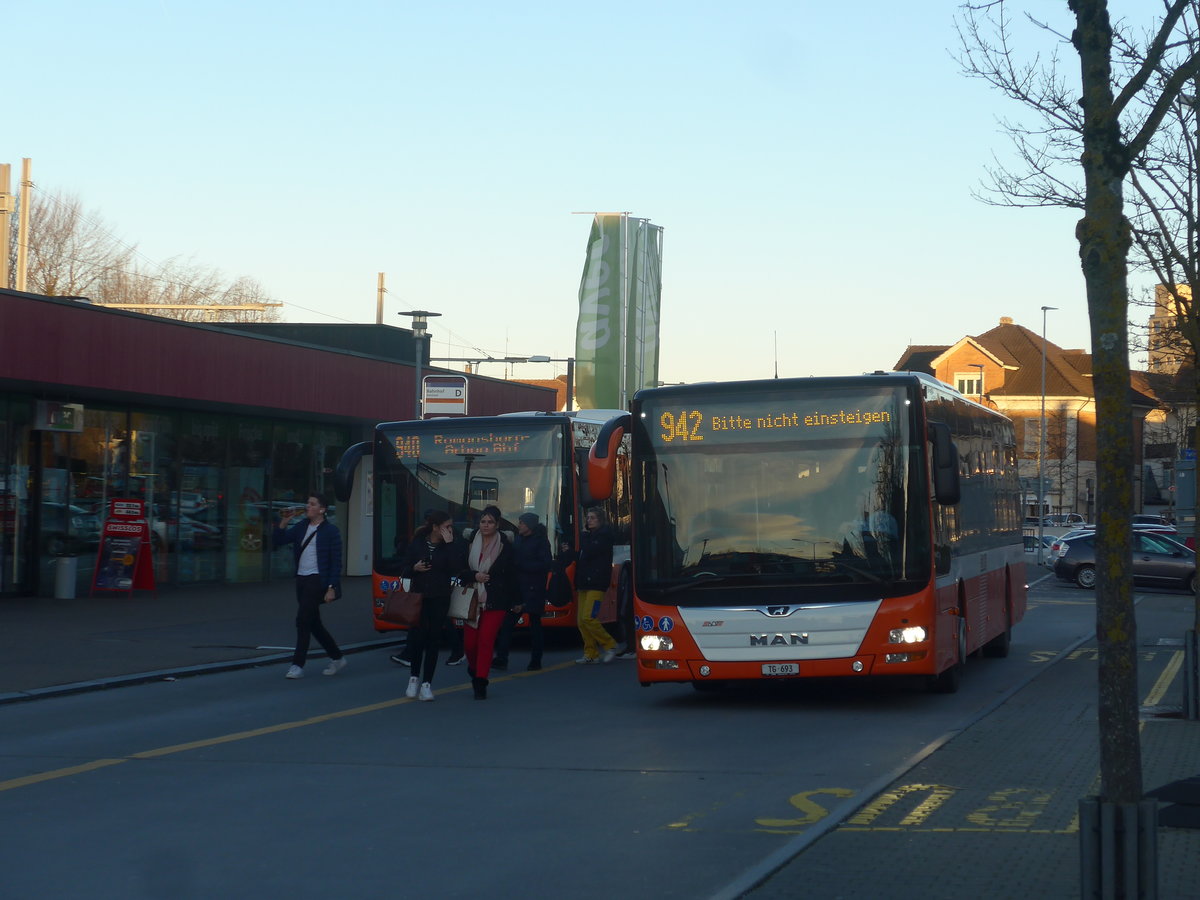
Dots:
pixel 870 576
pixel 707 578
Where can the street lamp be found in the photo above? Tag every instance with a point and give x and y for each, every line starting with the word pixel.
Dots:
pixel 420 330
pixel 1042 444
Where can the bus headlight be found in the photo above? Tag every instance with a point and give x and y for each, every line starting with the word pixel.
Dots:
pixel 913 634
pixel 657 642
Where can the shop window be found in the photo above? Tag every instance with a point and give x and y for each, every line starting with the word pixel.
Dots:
pixel 247 529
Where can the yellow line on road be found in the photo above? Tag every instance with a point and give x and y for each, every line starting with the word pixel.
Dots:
pixel 1164 680
pixel 27 780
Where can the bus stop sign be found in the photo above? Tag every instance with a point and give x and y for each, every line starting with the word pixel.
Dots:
pixel 444 395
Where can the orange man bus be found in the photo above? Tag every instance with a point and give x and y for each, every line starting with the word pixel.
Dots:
pixel 819 527
pixel 521 462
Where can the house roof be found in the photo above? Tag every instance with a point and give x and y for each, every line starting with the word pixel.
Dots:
pixel 1019 351
pixel 1172 389
pixel 919 358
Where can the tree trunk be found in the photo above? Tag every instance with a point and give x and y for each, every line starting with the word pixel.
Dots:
pixel 1104 241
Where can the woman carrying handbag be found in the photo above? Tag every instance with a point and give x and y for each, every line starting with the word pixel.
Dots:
pixel 434 557
pixel 490 567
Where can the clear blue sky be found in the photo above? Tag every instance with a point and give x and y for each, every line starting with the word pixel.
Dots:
pixel 812 165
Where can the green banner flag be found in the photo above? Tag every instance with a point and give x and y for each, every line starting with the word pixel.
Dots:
pixel 599 334
pixel 642 318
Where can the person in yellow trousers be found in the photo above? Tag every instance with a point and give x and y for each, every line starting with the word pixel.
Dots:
pixel 593 574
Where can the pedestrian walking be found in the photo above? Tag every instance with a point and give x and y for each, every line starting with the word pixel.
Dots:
pixel 451 634
pixel 317 545
pixel 490 569
pixel 532 561
pixel 435 556
pixel 593 574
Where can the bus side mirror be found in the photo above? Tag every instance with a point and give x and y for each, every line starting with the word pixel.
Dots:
pixel 947 489
pixel 583 470
pixel 343 475
pixel 602 458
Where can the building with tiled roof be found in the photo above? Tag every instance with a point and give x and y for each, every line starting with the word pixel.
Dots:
pixel 1003 368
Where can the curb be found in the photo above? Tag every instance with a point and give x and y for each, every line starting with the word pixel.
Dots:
pixel 99 684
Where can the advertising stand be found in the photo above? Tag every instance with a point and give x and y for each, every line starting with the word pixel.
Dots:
pixel 124 561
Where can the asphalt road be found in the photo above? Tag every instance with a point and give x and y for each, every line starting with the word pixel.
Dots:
pixel 573 781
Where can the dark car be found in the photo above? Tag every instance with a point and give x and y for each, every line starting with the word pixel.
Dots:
pixel 1143 519
pixel 68 530
pixel 1157 560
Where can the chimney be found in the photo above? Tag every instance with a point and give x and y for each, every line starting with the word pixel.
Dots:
pixel 1006 320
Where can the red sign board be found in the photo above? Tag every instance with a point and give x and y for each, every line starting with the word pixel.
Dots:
pixel 124 561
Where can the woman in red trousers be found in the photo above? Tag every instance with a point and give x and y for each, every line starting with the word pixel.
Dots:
pixel 490 567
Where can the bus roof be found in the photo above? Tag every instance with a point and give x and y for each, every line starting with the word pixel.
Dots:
pixel 821 381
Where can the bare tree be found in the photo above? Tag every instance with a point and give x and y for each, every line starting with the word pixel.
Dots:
pixel 1080 152
pixel 72 253
pixel 1062 457
pixel 70 250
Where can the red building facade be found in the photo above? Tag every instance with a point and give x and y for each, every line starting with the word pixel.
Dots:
pixel 213 427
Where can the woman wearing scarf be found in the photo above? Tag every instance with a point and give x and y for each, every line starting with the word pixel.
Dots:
pixel 490 568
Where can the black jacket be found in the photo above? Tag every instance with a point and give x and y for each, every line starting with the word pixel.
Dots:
pixel 502 590
pixel 532 561
pixel 448 562
pixel 593 567
pixel 329 548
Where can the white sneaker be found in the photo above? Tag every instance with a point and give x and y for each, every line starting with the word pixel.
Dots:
pixel 587 660
pixel 426 691
pixel 335 666
pixel 413 684
pixel 609 655
pixel 294 672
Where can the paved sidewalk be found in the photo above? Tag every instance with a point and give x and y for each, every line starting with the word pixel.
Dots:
pixel 992 813
pixel 52 646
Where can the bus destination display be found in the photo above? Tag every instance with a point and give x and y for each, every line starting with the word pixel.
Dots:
pixel 757 421
pixel 431 445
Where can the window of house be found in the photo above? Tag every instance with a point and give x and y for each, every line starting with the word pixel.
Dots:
pixel 969 384
pixel 1033 435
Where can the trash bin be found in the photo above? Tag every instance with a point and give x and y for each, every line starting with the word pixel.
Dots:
pixel 65 568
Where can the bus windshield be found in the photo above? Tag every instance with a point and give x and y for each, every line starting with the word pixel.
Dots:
pixel 439 465
pixel 741 491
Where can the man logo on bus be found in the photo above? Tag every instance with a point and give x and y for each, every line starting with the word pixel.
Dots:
pixel 778 610
pixel 778 640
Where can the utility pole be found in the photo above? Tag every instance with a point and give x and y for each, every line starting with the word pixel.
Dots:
pixel 5 220
pixel 23 226
pixel 379 301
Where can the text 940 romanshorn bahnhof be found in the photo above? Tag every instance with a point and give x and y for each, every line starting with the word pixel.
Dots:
pixel 409 446
pixel 696 424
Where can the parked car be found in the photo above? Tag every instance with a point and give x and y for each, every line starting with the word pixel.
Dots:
pixel 1058 520
pixel 1142 519
pixel 1031 542
pixel 68 530
pixel 168 528
pixel 1157 560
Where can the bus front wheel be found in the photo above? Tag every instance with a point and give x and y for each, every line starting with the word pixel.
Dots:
pixel 950 679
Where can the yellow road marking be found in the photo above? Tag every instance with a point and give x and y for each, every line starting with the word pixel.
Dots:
pixel 1025 810
pixel 27 780
pixel 813 812
pixel 1164 680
